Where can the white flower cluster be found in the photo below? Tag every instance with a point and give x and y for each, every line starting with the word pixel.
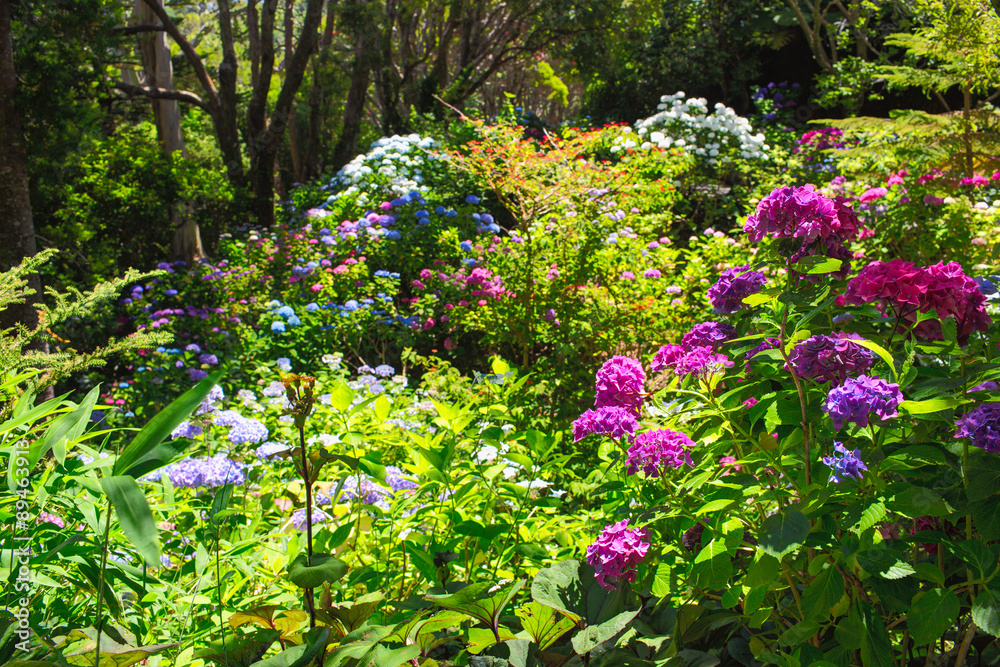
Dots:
pixel 392 167
pixel 687 124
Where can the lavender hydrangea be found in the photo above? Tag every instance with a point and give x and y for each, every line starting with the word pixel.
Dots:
pixel 698 361
pixel 856 399
pixel 186 430
pixel 831 358
pixel 794 212
pixel 620 383
pixel 247 430
pixel 734 285
pixel 215 394
pixel 398 480
pixel 198 473
pixel 982 427
pixel 712 334
pixel 655 450
pixel 270 450
pixel 614 422
pixel 616 554
pixel 318 517
pixel 844 463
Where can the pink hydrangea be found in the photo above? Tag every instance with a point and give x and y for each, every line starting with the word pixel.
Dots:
pixel 611 421
pixel 793 212
pixel 616 554
pixel 871 194
pixel 709 333
pixel 976 181
pixel 653 451
pixel 620 382
pixel 699 361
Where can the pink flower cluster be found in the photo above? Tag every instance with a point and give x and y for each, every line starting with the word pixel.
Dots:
pixel 713 334
pixel 830 358
pixel 901 289
pixel 699 361
pixel 823 225
pixel 611 421
pixel 616 554
pixel 620 383
pixel 655 450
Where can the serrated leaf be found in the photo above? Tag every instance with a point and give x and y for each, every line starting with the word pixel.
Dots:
pixel 986 611
pixel 870 516
pixel 822 593
pixel 932 614
pixel 931 405
pixel 783 533
pixel 884 563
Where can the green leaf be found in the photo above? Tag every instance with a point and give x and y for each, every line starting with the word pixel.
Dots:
pixel 882 353
pixel 884 563
pixel 353 614
pixel 561 586
pixel 713 566
pixel 341 396
pixel 876 648
pixel 869 516
pixel 593 635
pixel 301 655
pixel 67 428
pixel 930 405
pixel 160 426
pixel 325 569
pixel 157 457
pixel 763 572
pixel 822 594
pixel 134 516
pixel 239 651
pixel 78 647
pixel 932 614
pixel 986 611
pixel 483 601
pixel 813 265
pixel 220 501
pixel 661 580
pixel 783 533
pixel 381 407
pixel 979 558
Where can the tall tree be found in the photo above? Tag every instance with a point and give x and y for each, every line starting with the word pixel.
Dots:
pixel 265 128
pixel 17 229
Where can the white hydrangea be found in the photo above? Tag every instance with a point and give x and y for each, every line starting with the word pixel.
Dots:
pixel 687 124
pixel 393 167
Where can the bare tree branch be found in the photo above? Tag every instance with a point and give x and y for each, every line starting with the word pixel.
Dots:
pixel 160 94
pixel 197 64
pixel 136 29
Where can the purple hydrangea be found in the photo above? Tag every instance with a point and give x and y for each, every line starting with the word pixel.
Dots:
pixel 655 450
pixel 982 427
pixel 227 418
pixel 270 450
pixel 397 479
pixel 712 334
pixel 620 383
pixel 844 463
pixel 196 473
pixel 614 422
pixel 616 554
pixel 831 358
pixel 370 493
pixel 196 374
pixel 193 347
pixel 989 385
pixel 274 389
pixel 699 361
pixel 318 517
pixel 856 399
pixel 186 430
pixel 734 285
pixel 766 344
pixel 209 359
pixel 247 430
pixel 215 394
pixel 796 212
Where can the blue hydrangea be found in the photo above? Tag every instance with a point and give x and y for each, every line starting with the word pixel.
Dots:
pixel 186 430
pixel 856 399
pixel 285 311
pixel 247 430
pixel 278 327
pixel 845 463
pixel 270 450
pixel 284 364
pixel 294 321
pixel 384 370
pixel 197 473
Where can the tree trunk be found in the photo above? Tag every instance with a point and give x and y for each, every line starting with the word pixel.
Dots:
pixel 354 106
pixel 17 229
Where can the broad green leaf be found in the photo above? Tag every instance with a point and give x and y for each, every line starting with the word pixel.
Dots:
pixel 382 656
pixel 822 594
pixel 220 501
pixel 979 558
pixel 930 405
pixel 544 624
pixel 353 614
pixel 870 516
pixel 341 396
pixel 661 580
pixel 78 647
pixel 301 655
pixel 783 533
pixel 884 563
pixel 986 518
pixel 876 648
pixel 932 614
pixel 881 352
pixel 134 516
pixel 818 264
pixel 160 426
pixel 478 640
pixel 325 569
pixel 483 601
pixel 381 407
pixel 713 566
pixel 239 651
pixel 593 635
pixel 561 586
pixel 986 611
pixel 763 572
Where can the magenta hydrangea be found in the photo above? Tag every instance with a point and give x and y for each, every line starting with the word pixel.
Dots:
pixel 734 285
pixel 620 383
pixel 799 212
pixel 612 421
pixel 844 463
pixel 616 554
pixel 858 398
pixel 982 427
pixel 831 358
pixel 653 451
pixel 712 334
pixel 698 361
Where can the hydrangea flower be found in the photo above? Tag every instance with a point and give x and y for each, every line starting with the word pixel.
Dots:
pixel 734 285
pixel 270 450
pixel 612 421
pixel 620 382
pixel 712 334
pixel 698 361
pixel 766 344
pixel 857 398
pixel 654 450
pixel 844 463
pixel 186 430
pixel 982 427
pixel 247 430
pixel 397 479
pixel 616 554
pixel 318 517
pixel 831 358
pixel 284 364
pixel 196 473
pixel 45 517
